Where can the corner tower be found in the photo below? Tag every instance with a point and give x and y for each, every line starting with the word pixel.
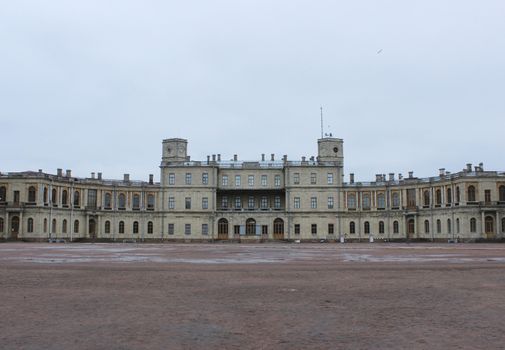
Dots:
pixel 330 149
pixel 174 150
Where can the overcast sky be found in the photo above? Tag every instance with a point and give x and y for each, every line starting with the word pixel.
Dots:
pixel 96 85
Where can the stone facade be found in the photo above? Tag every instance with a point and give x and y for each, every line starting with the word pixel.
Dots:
pixel 268 199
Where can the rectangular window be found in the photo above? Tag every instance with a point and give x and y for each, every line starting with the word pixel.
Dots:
pixel 238 181
pixel 188 178
pixel 171 179
pixel 297 229
pixel 187 203
pixel 330 178
pixel 277 181
pixel 330 203
pixel 238 203
pixel 205 178
pixel 236 229
pixel 313 178
pixel 205 203
pixel 224 202
pixel 187 229
pixel 171 229
pixel 250 180
pixel 264 202
pixel 277 202
pixel 313 229
pixel 171 202
pixel 331 229
pixel 224 180
pixel 487 196
pixel 264 229
pixel 411 197
pixel 313 202
pixel 297 203
pixel 91 198
pixel 251 203
pixel 264 180
pixel 296 178
pixel 205 229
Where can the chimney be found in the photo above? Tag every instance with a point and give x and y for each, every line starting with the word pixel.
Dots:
pixel 213 157
pixel 476 168
pixel 272 157
pixel 400 176
pixel 469 167
pixel 59 172
pixel 411 174
pixel 303 159
pixel 378 177
pixel 218 157
pixel 92 175
pixel 208 159
pixel 126 177
pixel 151 179
pixel 442 172
pixel 188 158
pixel 69 173
pixel 481 166
pixel 100 176
pixel 40 171
pixel 391 176
pixel 262 157
pixel 351 178
pixel 312 158
pixel 235 158
pixel 285 158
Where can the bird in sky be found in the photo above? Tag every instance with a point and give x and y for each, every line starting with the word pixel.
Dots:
pixel 378 52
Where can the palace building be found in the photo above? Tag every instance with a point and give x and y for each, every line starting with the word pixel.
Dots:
pixel 264 200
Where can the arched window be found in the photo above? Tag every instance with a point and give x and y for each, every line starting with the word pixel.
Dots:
pixel 150 201
pixel 64 197
pixel 439 226
pixel 53 227
pixel 381 227
pixel 76 226
pixel 351 201
pixel 471 194
pixel 121 227
pixel 32 194
pixel 3 194
pixel 473 225
pixel 77 199
pixel 150 228
pixel 121 201
pixel 426 226
pixel 45 225
pixel 136 202
pixel 64 226
pixel 502 193
pixel 54 196
pixel 352 228
pixel 438 197
pixel 381 201
pixel 457 225
pixel 250 227
pixel 30 225
pixel 426 197
pixel 135 227
pixel 411 226
pixel 222 227
pixel 107 226
pixel 1 225
pixel 45 194
pixel 278 226
pixel 367 227
pixel 396 227
pixel 449 196
pixel 502 225
pixel 396 200
pixel 366 201
pixel 107 203
pixel 449 226
pixel 458 195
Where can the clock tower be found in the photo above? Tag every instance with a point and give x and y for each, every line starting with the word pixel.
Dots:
pixel 174 150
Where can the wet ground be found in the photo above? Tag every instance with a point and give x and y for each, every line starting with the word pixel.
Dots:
pixel 270 296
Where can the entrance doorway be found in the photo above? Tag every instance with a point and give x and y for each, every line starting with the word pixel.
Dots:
pixel 14 227
pixel 92 229
pixel 489 223
pixel 222 229
pixel 411 228
pixel 278 229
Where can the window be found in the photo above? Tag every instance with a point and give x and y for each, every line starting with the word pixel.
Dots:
pixel 367 228
pixel 297 203
pixel 448 200
pixel 277 202
pixel 297 229
pixel 107 201
pixel 264 180
pixel 224 202
pixel 135 227
pixel 449 226
pixel 277 181
pixel 502 225
pixel 53 226
pixel 381 227
pixel 296 178
pixel 411 198
pixel 76 226
pixel 473 225
pixel 205 203
pixel 313 202
pixel 396 227
pixel 64 198
pixel 107 227
pixel 224 180
pixel 238 203
pixel 205 229
pixel 188 179
pixel 331 229
pixel 426 226
pixel 352 228
pixel 29 225
pixel 3 194
pixel 236 229
pixel 313 178
pixel 458 195
pixel 251 202
pixel 205 178
pixel 121 201
pixel 250 227
pixel 250 180
pixel 64 226
pixel 171 229
pixel 77 199
pixel 45 226
pixel 92 198
pixel 457 226
pixel 238 180
pixel 278 226
pixel 171 179
pixel 396 200
pixel 187 229
pixel 32 195
pixel 330 179
pixel 150 202
pixel 1 225
pixel 222 227
pixel 487 196
pixel 381 201
pixel 351 201
pixel 150 228
pixel 264 230
pixel 136 202
pixel 330 203
pixel 439 226
pixel 438 197
pixel 45 195
pixel 313 229
pixel 366 201
pixel 426 198
pixel 471 194
pixel 54 197
pixel 171 202
pixel 187 202
pixel 264 202
pixel 502 193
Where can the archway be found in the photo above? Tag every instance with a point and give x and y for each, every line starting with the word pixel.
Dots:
pixel 250 227
pixel 222 229
pixel 14 227
pixel 278 228
pixel 489 226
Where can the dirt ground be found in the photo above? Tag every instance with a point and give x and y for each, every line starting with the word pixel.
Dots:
pixel 237 296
